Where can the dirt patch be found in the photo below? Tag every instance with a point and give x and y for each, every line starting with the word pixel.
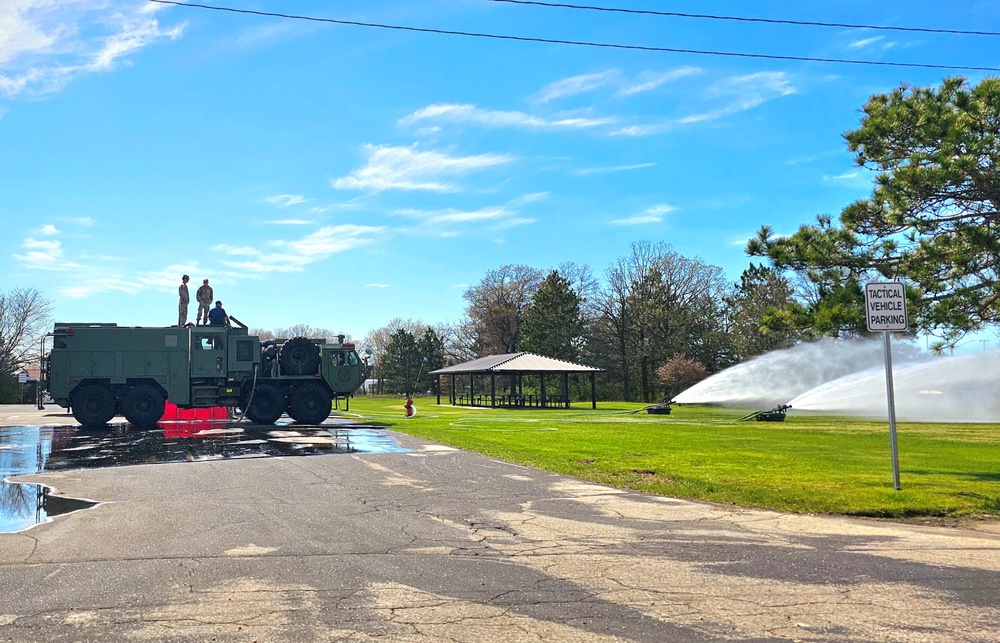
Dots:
pixel 984 523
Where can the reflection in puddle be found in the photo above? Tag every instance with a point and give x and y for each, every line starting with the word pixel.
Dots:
pixel 34 449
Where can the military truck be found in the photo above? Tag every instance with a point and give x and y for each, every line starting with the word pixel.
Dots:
pixel 102 370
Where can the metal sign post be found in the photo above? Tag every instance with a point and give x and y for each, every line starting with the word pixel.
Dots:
pixel 885 310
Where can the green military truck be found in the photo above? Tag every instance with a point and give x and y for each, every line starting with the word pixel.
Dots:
pixel 102 370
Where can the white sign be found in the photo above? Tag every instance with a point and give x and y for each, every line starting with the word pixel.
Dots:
pixel 22 377
pixel 885 306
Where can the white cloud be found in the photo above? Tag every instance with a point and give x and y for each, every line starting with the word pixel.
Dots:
pixel 166 278
pixel 294 255
pixel 285 200
pixel 459 222
pixel 47 230
pixel 846 176
pixel 534 197
pixel 860 44
pixel 652 214
pixel 499 118
pixel 659 209
pixel 615 168
pixel 643 130
pixel 736 94
pixel 512 222
pixel 236 250
pixel 289 222
pixel 485 214
pixel 376 285
pixel 576 85
pixel 648 81
pixel 743 93
pixel 406 168
pixel 83 221
pixel 44 44
pixel 42 254
pixel 97 281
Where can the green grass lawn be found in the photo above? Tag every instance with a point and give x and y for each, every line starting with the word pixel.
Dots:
pixel 805 464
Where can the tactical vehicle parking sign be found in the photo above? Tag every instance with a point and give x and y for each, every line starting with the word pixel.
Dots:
pixel 885 306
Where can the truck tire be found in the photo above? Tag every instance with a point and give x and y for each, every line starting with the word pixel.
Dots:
pixel 143 405
pixel 267 405
pixel 93 405
pixel 299 356
pixel 310 404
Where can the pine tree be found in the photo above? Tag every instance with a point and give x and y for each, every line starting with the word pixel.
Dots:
pixel 553 325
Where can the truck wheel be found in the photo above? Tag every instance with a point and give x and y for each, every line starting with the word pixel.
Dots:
pixel 143 406
pixel 299 356
pixel 310 404
pixel 93 405
pixel 267 405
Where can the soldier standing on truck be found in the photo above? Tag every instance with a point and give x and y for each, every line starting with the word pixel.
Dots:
pixel 185 299
pixel 204 297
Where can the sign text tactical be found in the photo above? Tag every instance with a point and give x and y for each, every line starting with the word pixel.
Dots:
pixel 885 306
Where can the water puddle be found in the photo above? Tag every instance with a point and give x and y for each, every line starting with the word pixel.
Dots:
pixel 36 449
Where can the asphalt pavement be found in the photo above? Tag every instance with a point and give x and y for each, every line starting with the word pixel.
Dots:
pixel 438 544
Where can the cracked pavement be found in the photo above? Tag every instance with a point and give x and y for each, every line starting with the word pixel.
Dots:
pixel 443 545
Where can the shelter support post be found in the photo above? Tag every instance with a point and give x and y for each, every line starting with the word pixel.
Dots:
pixel 565 390
pixel 493 390
pixel 451 378
pixel 593 390
pixel 437 386
pixel 541 376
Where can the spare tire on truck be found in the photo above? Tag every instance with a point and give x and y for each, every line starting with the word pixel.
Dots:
pixel 299 356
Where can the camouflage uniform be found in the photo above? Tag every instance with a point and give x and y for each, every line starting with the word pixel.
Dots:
pixel 182 305
pixel 204 297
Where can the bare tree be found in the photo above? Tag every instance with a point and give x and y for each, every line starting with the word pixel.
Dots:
pixel 305 330
pixel 586 286
pixel 298 330
pixel 263 333
pixel 497 305
pixel 656 303
pixel 24 317
pixel 460 343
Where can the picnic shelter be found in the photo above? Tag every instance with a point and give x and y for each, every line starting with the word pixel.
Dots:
pixel 510 369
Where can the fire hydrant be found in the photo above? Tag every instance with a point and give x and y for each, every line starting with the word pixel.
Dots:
pixel 410 409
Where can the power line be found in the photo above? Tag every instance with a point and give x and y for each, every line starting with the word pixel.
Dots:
pixel 705 16
pixel 579 43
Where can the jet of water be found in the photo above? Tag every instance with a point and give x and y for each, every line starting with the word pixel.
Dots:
pixel 777 377
pixel 936 389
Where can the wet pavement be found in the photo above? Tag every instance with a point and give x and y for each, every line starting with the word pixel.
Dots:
pixel 431 544
pixel 40 449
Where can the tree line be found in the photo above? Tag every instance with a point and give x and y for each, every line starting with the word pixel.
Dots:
pixel 657 321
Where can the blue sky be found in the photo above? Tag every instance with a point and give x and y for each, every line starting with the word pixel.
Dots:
pixel 342 176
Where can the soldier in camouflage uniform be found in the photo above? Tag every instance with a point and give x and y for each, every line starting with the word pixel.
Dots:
pixel 204 297
pixel 185 299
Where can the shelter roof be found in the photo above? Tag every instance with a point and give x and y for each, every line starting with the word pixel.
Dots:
pixel 522 362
